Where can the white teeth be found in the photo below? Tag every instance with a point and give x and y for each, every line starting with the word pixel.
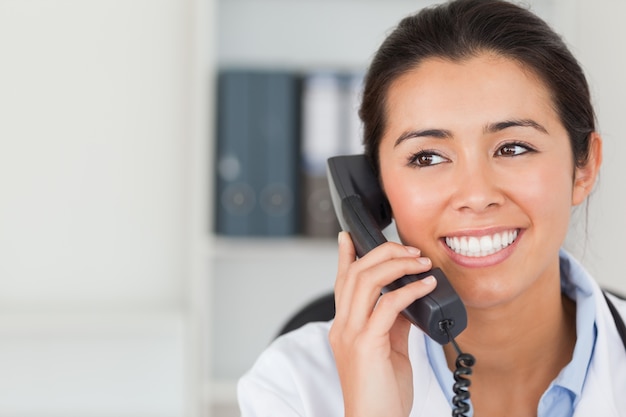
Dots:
pixel 486 244
pixel 483 246
pixel 473 245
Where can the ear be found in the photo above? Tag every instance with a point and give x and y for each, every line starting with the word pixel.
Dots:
pixel 585 177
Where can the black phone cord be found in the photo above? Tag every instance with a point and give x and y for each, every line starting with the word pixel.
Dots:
pixel 464 363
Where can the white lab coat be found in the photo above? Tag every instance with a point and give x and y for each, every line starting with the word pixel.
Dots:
pixel 296 375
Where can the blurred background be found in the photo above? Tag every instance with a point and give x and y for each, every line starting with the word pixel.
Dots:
pixel 143 264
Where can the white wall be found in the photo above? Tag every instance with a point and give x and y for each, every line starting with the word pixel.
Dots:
pixel 310 34
pixel 103 109
pixel 599 40
pixel 91 168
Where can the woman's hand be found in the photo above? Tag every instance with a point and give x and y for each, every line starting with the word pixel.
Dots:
pixel 369 337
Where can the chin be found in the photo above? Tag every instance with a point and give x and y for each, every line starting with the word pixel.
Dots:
pixel 486 296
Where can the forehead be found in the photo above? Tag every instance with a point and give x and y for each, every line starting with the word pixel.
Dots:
pixel 438 87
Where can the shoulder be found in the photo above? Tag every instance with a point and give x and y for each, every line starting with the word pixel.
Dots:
pixel 605 381
pixel 297 376
pixel 294 376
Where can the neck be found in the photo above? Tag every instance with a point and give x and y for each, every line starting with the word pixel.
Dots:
pixel 524 343
pixel 518 336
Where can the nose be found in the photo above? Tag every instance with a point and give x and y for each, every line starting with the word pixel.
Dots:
pixel 478 188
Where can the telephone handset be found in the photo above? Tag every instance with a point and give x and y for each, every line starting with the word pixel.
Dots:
pixel 363 210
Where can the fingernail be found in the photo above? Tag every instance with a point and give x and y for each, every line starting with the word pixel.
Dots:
pixel 424 261
pixel 429 280
pixel 339 237
pixel 412 250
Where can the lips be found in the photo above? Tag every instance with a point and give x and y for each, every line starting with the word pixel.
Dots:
pixel 477 246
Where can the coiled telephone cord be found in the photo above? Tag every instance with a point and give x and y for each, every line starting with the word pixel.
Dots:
pixel 464 363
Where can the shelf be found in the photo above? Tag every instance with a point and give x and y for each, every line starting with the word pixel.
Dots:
pixel 97 323
pixel 223 391
pixel 223 395
pixel 261 247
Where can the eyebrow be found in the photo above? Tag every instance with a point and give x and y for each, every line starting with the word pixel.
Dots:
pixel 490 128
pixel 433 133
pixel 499 126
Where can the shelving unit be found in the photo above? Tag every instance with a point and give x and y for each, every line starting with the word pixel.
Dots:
pixel 257 285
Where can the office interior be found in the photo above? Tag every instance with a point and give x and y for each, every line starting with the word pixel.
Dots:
pixel 117 296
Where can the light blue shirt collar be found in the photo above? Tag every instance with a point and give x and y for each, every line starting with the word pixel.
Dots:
pixel 563 394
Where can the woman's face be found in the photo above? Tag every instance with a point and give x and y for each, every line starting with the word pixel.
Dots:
pixel 479 173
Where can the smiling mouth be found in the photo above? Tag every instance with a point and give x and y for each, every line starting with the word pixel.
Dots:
pixel 474 246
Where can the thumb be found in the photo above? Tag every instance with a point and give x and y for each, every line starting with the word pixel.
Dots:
pixel 347 255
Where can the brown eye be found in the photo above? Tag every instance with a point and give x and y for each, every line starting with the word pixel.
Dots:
pixel 513 149
pixel 426 159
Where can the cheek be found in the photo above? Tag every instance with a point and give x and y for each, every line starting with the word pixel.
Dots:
pixel 546 195
pixel 543 193
pixel 415 207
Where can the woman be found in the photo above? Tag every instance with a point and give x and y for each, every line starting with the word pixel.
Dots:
pixel 478 121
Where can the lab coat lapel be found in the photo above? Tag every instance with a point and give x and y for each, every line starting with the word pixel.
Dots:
pixel 428 398
pixel 604 392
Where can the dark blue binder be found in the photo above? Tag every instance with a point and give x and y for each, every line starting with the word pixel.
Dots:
pixel 257 153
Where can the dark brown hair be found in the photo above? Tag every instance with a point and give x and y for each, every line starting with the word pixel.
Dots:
pixel 462 29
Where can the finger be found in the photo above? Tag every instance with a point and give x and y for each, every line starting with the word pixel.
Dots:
pixel 399 334
pixel 369 284
pixel 349 269
pixel 347 255
pixel 391 304
pixel 366 276
pixel 386 251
